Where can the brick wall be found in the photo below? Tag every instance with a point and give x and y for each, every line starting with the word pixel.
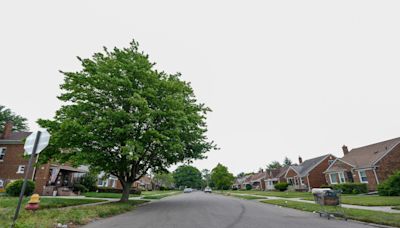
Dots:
pixel 316 175
pixel 13 159
pixel 389 164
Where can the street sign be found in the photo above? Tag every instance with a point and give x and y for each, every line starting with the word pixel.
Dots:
pixel 30 142
pixel 34 144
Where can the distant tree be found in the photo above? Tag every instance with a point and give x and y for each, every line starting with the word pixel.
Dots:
pixel 287 162
pixel 19 122
pixel 222 178
pixel 187 176
pixel 240 175
pixel 165 180
pixel 274 165
pixel 206 176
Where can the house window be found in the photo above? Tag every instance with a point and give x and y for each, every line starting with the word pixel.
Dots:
pixel 21 169
pixel 363 176
pixel 341 178
pixel 100 182
pixel 337 178
pixel 333 178
pixel 1 183
pixel 290 180
pixel 112 183
pixel 330 161
pixel 2 153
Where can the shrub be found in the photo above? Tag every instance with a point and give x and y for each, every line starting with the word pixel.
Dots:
pixel 391 186
pixel 14 188
pixel 80 188
pixel 282 186
pixel 89 181
pixel 351 188
pixel 248 187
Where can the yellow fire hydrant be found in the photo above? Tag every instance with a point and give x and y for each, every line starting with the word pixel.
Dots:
pixel 33 204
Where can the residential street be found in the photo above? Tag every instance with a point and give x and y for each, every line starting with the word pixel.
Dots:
pixel 198 210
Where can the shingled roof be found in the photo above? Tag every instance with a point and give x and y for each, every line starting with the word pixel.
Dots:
pixel 305 167
pixel 367 156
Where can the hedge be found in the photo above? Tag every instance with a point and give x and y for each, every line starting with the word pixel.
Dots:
pixel 14 188
pixel 391 186
pixel 281 186
pixel 351 188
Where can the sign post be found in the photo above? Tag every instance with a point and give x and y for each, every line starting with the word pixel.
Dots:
pixel 34 144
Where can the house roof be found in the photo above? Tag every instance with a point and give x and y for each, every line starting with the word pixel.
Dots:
pixel 258 176
pixel 367 156
pixel 15 137
pixel 304 168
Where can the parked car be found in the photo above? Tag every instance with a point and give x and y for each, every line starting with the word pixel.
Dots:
pixel 187 190
pixel 208 190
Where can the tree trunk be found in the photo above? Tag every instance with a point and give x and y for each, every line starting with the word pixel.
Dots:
pixel 126 187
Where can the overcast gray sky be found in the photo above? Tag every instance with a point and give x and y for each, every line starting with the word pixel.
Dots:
pixel 284 78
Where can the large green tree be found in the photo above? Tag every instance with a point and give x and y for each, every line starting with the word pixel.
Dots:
pixel 165 180
pixel 187 176
pixel 19 122
pixel 221 177
pixel 123 117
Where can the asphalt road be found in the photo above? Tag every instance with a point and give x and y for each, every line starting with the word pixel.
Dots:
pixel 201 210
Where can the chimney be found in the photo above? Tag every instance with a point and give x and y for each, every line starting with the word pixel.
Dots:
pixel 345 149
pixel 7 130
pixel 300 160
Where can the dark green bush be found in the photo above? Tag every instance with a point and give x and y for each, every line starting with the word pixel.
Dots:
pixel 14 188
pixel 391 186
pixel 281 186
pixel 89 181
pixel 248 187
pixel 80 188
pixel 351 188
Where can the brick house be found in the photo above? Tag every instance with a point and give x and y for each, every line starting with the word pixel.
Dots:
pixel 257 180
pixel 274 176
pixel 369 164
pixel 308 174
pixel 48 177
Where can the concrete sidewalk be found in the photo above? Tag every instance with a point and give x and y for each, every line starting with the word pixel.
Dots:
pixel 371 208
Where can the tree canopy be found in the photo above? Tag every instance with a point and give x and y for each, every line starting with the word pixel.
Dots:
pixel 274 165
pixel 221 177
pixel 19 122
pixel 187 176
pixel 287 162
pixel 165 180
pixel 123 117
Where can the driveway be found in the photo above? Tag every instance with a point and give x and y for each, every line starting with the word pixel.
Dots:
pixel 201 210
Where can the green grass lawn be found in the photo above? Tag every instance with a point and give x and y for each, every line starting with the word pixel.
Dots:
pixel 391 219
pixel 367 200
pixel 147 193
pixel 160 196
pixel 118 195
pixel 249 197
pixel 274 193
pixel 46 203
pixel 47 218
pixel 106 195
pixel 363 200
